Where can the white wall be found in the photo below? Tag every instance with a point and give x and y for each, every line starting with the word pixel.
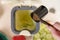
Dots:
pixel 52 4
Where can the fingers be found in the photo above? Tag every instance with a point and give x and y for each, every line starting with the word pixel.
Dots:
pixel 54 31
pixel 57 25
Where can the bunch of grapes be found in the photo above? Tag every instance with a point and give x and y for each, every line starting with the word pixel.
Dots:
pixel 43 34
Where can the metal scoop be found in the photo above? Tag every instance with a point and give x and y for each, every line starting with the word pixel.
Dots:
pixel 38 14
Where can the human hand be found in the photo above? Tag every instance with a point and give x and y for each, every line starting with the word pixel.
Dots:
pixel 55 33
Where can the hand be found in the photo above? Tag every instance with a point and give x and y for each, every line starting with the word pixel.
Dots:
pixel 55 33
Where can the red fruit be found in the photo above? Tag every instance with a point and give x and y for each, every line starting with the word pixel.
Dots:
pixel 20 37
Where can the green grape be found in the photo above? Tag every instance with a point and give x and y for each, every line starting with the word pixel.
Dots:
pixel 43 34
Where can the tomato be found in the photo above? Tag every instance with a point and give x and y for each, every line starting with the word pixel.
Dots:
pixel 20 37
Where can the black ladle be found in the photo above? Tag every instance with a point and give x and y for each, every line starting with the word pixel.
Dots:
pixel 38 14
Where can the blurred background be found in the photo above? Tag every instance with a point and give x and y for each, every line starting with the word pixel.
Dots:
pixel 43 34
